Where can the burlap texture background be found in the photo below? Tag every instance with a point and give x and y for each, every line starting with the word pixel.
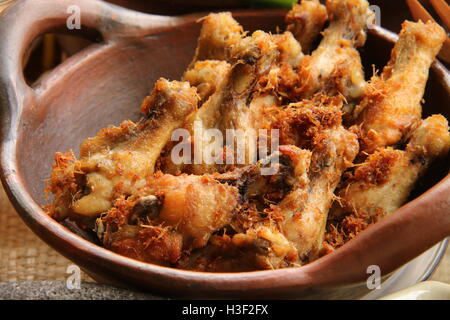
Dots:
pixel 23 256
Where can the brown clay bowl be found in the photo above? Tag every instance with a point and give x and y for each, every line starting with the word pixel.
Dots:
pixel 105 83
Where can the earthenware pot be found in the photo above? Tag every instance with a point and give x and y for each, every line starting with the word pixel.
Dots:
pixel 105 83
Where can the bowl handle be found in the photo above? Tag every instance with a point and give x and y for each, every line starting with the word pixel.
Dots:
pixel 25 20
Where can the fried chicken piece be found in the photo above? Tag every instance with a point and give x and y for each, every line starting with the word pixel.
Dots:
pixel 219 33
pixel 256 241
pixel 253 58
pixel 228 109
pixel 263 248
pixel 305 209
pixel 264 183
pixel 282 79
pixel 252 240
pixel 384 181
pixel 196 206
pixel 275 85
pixel 63 184
pixel 119 158
pixel 169 215
pixel 290 51
pixel 152 244
pixel 298 123
pixel 391 106
pixel 315 125
pixel 305 20
pixel 261 63
pixel 126 229
pixel 207 117
pixel 268 247
pixel 209 77
pixel 258 249
pixel 335 66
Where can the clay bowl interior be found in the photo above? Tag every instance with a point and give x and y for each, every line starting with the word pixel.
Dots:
pixel 104 85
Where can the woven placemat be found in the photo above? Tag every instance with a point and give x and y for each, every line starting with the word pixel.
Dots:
pixel 23 256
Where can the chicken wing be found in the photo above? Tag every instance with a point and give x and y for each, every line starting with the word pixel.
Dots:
pixel 211 78
pixel 253 239
pixel 207 76
pixel 227 110
pixel 169 215
pixel 391 106
pixel 219 33
pixel 118 158
pixel 305 209
pixel 305 20
pixel 335 66
pixel 384 181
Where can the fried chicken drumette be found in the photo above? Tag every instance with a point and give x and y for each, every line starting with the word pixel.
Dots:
pixel 118 159
pixel 335 66
pixel 305 20
pixel 391 107
pixel 384 181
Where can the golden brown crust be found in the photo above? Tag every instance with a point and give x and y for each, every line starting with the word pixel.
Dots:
pixel 335 66
pixel 382 183
pixel 305 20
pixel 220 32
pixel 391 106
pixel 114 162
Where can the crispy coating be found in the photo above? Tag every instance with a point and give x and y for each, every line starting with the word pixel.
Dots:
pixel 384 181
pixel 219 33
pixel 305 210
pixel 305 20
pixel 196 206
pixel 118 158
pixel 207 76
pixel 392 105
pixel 170 214
pixel 335 66
pixel 300 122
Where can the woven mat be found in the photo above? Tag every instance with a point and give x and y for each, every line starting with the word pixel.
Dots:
pixel 23 256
